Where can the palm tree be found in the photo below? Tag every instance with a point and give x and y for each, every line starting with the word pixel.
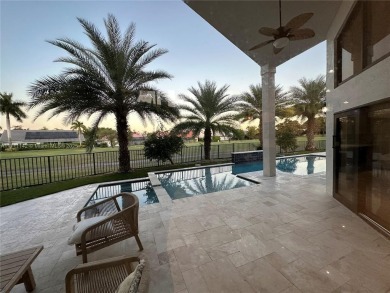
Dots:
pixel 210 109
pixel 309 100
pixel 79 127
pixel 105 79
pixel 11 108
pixel 251 105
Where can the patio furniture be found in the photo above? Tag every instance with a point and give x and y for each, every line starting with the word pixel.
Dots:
pixel 16 269
pixel 106 276
pixel 118 223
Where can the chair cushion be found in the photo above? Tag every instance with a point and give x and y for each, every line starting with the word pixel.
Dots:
pixel 81 226
pixel 124 287
pixel 130 284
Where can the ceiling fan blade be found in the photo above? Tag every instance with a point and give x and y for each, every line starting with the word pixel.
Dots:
pixel 267 31
pixel 277 50
pixel 301 34
pixel 298 21
pixel 261 45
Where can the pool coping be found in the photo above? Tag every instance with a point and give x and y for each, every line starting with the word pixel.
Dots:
pixel 162 194
pixel 192 168
pixel 115 183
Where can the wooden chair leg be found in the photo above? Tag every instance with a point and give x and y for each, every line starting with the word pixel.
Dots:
pixel 139 242
pixel 28 280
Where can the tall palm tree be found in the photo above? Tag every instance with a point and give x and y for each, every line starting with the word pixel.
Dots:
pixel 104 79
pixel 79 127
pixel 251 105
pixel 309 99
pixel 209 109
pixel 11 108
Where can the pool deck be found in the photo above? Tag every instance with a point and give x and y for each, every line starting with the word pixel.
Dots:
pixel 283 235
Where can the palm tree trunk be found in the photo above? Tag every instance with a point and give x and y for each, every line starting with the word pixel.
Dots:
pixel 207 143
pixel 80 136
pixel 310 134
pixel 8 122
pixel 124 155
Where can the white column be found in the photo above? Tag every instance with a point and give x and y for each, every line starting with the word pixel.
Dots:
pixel 269 146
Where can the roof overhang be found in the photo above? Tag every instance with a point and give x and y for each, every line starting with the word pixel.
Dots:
pixel 239 21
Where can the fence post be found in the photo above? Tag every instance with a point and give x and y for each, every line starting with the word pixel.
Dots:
pixel 49 165
pixel 233 148
pixel 218 151
pixel 181 155
pixel 94 164
pixel 201 152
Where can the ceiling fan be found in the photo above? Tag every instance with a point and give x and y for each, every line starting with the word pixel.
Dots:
pixel 284 34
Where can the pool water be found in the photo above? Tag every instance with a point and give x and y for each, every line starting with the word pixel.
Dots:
pixel 302 165
pixel 180 184
pixel 142 189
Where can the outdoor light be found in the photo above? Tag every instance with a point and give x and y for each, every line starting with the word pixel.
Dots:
pixel 281 43
pixel 328 90
pixel 346 102
pixel 331 71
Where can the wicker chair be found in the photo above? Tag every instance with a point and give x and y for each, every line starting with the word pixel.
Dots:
pixel 104 276
pixel 120 223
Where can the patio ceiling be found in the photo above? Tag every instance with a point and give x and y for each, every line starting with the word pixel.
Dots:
pixel 239 21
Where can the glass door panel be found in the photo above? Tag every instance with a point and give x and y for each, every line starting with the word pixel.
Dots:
pixel 377 197
pixel 345 164
pixel 362 161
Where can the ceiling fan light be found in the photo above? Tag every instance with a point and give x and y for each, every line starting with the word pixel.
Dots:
pixel 281 43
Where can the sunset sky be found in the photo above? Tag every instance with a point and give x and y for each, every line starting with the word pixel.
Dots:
pixel 196 50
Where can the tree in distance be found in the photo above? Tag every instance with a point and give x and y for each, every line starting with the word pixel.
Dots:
pixel 161 146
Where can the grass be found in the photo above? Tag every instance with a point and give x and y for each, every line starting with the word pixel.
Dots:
pixel 23 194
pixel 55 152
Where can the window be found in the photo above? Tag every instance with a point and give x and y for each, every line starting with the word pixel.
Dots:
pixel 378 27
pixel 364 39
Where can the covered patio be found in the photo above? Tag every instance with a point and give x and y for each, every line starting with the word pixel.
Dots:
pixel 283 235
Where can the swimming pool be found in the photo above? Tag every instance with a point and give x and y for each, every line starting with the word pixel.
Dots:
pixel 299 165
pixel 142 189
pixel 180 184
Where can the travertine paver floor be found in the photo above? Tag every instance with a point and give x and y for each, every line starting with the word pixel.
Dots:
pixel 284 235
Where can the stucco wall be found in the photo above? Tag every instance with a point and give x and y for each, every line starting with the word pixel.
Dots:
pixel 371 85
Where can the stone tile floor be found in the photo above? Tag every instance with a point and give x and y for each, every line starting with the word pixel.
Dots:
pixel 283 235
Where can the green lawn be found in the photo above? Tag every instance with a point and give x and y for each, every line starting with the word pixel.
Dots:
pixel 316 137
pixel 37 153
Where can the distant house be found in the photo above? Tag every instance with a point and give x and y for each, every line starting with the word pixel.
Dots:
pixel 137 138
pixel 41 136
pixel 221 136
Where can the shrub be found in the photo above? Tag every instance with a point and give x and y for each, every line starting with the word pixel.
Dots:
pixel 13 149
pixel 103 145
pixel 216 138
pixel 162 146
pixel 286 134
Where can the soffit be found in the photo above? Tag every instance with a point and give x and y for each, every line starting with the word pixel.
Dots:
pixel 239 21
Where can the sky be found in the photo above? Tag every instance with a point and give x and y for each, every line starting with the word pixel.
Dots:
pixel 196 50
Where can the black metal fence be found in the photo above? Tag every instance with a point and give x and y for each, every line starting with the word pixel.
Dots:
pixel 29 171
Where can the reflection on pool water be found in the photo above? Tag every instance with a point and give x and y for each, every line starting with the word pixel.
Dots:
pixel 180 184
pixel 142 189
pixel 302 165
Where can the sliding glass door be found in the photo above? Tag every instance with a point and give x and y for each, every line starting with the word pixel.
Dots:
pixel 362 161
